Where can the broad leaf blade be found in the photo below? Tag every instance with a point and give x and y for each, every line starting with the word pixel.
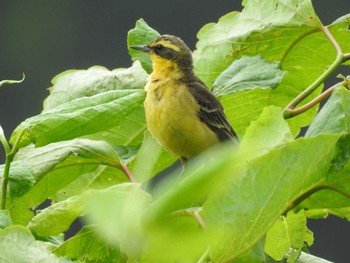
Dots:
pixel 18 245
pixel 83 116
pixel 248 73
pixel 334 116
pixel 142 34
pixel 74 84
pixel 57 218
pixel 86 244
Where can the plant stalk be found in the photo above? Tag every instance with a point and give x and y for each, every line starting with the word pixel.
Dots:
pixel 10 154
pixel 290 110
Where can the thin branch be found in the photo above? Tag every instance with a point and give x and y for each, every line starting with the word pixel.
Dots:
pixel 310 104
pixel 290 110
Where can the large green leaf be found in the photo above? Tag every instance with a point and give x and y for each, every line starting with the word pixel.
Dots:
pixel 74 84
pixel 117 213
pixel 79 117
pixel 56 166
pixel 287 31
pixel 18 245
pixel 256 192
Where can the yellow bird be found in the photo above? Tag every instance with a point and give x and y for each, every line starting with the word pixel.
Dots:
pixel 181 112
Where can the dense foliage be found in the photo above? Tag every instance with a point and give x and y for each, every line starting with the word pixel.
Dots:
pixel 90 154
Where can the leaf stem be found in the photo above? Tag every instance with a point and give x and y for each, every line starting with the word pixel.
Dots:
pixel 10 154
pixel 128 173
pixel 290 110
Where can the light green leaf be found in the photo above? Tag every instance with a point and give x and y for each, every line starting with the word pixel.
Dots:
pixel 18 245
pixel 87 245
pixel 150 159
pixel 82 116
pixel 248 73
pixel 5 219
pixel 21 179
pixel 142 34
pixel 334 116
pixel 258 29
pixel 117 213
pixel 4 82
pixel 254 193
pixel 73 84
pixel 287 31
pixel 44 159
pixel 58 217
pixel 288 232
pixel 58 167
pixel 269 131
pixel 99 178
pixel 333 195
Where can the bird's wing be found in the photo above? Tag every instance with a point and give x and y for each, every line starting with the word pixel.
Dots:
pixel 211 111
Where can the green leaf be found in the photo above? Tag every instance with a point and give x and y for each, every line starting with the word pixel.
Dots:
pixel 73 84
pixel 82 116
pixel 79 158
pixel 248 73
pixel 21 179
pixel 258 29
pixel 4 82
pixel 333 195
pixel 334 116
pixel 57 218
pixel 277 30
pixel 5 219
pixel 266 133
pixel 117 213
pixel 288 232
pixel 18 245
pixel 87 245
pixel 254 193
pixel 142 34
pixel 150 159
pixel 44 159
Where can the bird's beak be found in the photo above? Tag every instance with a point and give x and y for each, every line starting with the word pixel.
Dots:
pixel 142 48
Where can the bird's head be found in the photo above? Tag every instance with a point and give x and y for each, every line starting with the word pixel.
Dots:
pixel 167 51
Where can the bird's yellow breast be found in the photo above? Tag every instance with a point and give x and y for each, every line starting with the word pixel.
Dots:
pixel 171 114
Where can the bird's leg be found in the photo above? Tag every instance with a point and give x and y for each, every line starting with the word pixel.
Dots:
pixel 183 164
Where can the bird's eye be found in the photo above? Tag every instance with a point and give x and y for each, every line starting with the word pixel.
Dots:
pixel 159 47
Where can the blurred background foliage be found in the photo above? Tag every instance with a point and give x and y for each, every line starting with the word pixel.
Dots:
pixel 43 38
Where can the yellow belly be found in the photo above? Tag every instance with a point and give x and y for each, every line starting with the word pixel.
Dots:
pixel 171 115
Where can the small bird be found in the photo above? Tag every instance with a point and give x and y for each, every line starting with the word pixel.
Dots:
pixel 181 112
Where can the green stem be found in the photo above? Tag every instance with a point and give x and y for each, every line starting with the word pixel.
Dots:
pixel 290 110
pixel 10 154
pixel 310 104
